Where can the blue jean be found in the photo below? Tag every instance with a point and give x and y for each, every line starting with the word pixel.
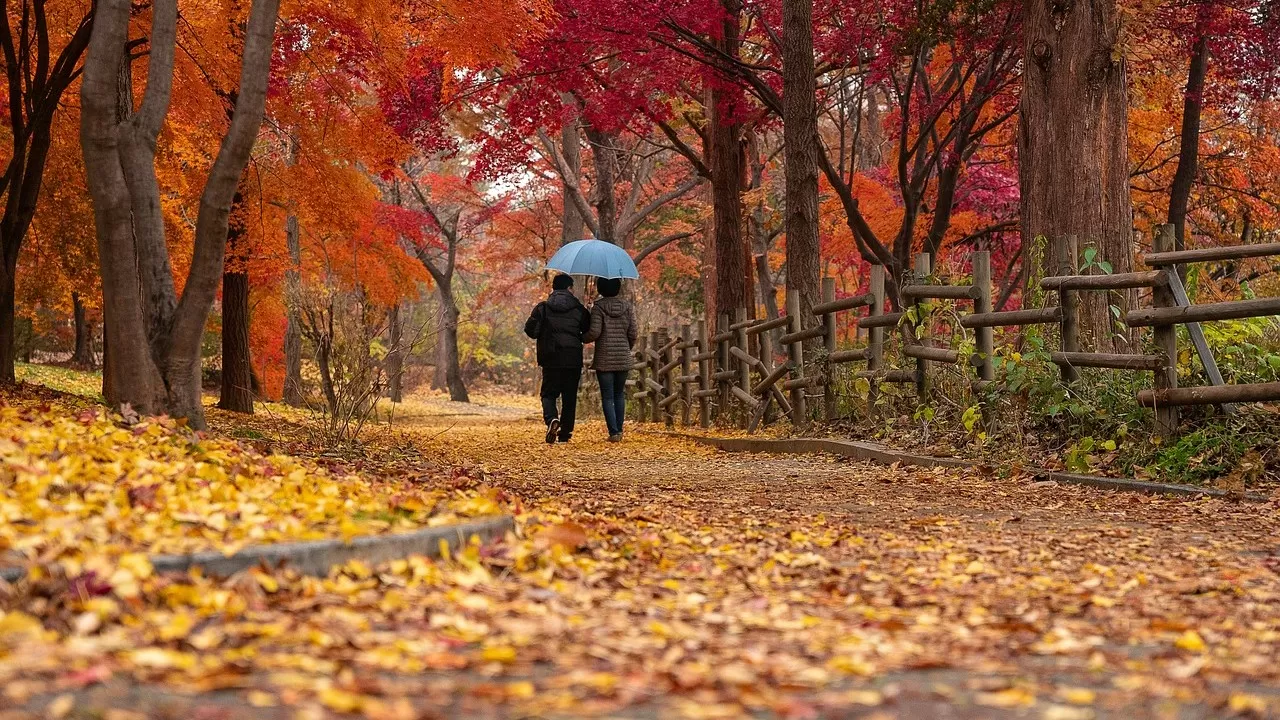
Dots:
pixel 613 399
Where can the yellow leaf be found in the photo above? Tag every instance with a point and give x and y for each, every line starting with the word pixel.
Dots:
pixel 18 624
pixel 1010 698
pixel 265 581
pixel 1242 703
pixel 1191 642
pixel 137 564
pixel 260 699
pixel 162 659
pixel 522 690
pixel 340 700
pixel 869 698
pixel 499 653
pixel 1078 696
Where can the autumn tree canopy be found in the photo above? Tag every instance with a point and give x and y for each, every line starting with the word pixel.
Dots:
pixel 428 156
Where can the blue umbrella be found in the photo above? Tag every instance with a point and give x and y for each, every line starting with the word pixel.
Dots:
pixel 594 257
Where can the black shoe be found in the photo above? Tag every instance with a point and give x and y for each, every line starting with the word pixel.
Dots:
pixel 553 428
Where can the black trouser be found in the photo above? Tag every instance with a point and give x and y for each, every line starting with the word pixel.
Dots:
pixel 561 384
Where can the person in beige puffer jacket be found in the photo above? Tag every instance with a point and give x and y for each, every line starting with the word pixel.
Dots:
pixel 613 330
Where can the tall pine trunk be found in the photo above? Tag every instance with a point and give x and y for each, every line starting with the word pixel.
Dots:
pixel 800 133
pixel 237 369
pixel 1072 150
pixel 725 135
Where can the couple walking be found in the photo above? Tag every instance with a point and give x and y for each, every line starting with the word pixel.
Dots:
pixel 561 324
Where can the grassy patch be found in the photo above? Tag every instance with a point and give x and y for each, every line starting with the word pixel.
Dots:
pixel 86 384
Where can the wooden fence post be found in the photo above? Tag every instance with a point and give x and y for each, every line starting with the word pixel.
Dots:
pixel 799 412
pixel 723 364
pixel 668 385
pixel 704 375
pixel 655 360
pixel 923 269
pixel 875 336
pixel 744 370
pixel 1066 264
pixel 829 340
pixel 1166 341
pixel 767 350
pixel 986 342
pixel 642 389
pixel 686 369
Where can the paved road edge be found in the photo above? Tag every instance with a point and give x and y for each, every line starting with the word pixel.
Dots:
pixel 318 556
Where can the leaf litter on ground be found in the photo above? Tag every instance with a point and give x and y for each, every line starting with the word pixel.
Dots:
pixel 657 574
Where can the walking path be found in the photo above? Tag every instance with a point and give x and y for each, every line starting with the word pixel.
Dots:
pixel 661 579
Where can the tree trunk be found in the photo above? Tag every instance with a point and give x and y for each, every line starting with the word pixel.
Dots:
pixel 293 321
pixel 36 80
pixel 134 379
pixel 800 133
pixel 20 209
pixel 395 356
pixel 573 226
pixel 708 230
pixel 158 337
pixel 725 133
pixel 1073 157
pixel 8 336
pixel 768 290
pixel 324 350
pixel 439 373
pixel 108 386
pixel 237 370
pixel 449 356
pixel 82 356
pixel 605 154
pixel 1189 143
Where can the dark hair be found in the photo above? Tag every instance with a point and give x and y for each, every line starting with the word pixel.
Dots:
pixel 562 282
pixel 609 287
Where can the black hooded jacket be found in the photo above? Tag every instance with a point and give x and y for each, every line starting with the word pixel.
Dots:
pixel 558 324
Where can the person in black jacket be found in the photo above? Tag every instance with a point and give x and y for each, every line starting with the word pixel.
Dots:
pixel 558 324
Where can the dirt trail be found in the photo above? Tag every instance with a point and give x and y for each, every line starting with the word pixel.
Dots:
pixel 713 585
pixel 806 566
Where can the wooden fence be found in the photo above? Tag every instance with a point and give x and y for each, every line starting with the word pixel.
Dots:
pixel 732 372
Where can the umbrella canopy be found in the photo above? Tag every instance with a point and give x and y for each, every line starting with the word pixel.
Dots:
pixel 594 257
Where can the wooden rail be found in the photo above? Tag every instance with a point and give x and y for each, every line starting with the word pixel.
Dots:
pixel 1233 310
pixel 1183 257
pixel 733 375
pixel 1118 281
pixel 1010 318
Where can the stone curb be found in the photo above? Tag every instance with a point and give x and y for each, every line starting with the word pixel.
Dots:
pixel 877 453
pixel 316 557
